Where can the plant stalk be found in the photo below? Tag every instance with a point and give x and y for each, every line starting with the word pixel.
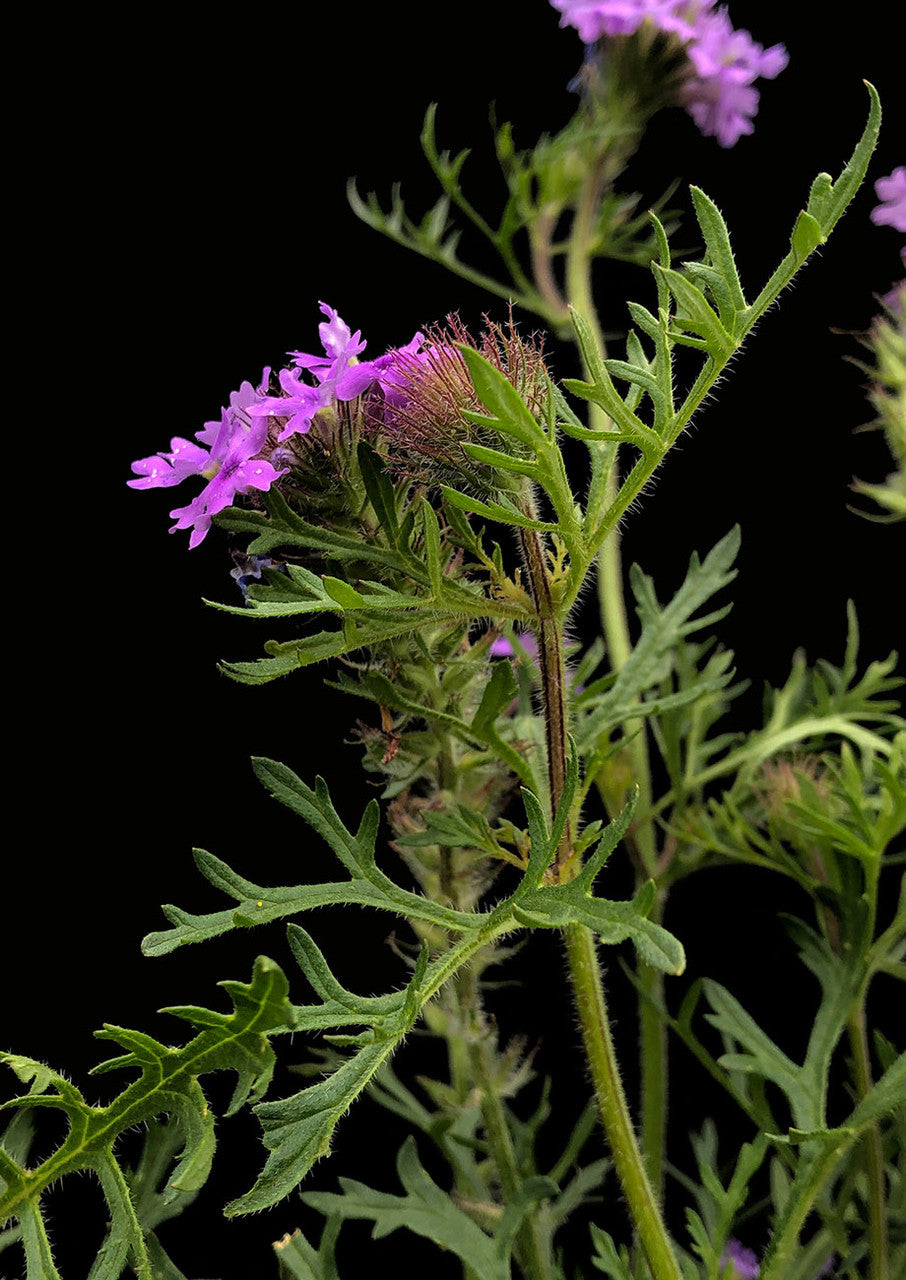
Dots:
pixel 585 972
pixel 872 1151
pixel 582 956
pixel 653 1045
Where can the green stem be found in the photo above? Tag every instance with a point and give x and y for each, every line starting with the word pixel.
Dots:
pixel 611 596
pixel 470 1042
pixel 653 1064
pixel 872 1151
pixel 540 236
pixel 553 678
pixel 653 1046
pixel 872 1144
pixel 582 955
pixel 814 1171
pixel 590 1002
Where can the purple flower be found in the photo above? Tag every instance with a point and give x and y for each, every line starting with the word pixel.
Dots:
pixel 228 452
pixel 746 1267
pixel 743 1260
pixel 891 191
pixel 229 464
pixel 503 647
pixel 338 374
pixel 164 469
pixel 724 63
pixel 720 97
pixel 596 18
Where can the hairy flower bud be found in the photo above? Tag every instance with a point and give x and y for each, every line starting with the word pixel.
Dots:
pixel 419 411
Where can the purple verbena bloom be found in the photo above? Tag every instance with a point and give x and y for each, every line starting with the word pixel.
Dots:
pixel 233 467
pixel 720 97
pixel 743 1260
pixel 338 374
pixel 503 647
pixel 162 470
pixel 229 464
pixel 891 191
pixel 300 400
pixel 719 93
pixel 391 371
pixel 298 404
pixel 746 1266
pixel 595 18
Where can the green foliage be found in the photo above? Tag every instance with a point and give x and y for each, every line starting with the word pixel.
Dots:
pixel 167 1083
pixel 429 1211
pixel 886 343
pixel 818 1159
pixel 718 1207
pixel 298 1260
pixel 532 903
pixel 297 1129
pixel 398 569
pixel 790 801
pixel 436 237
pixel 470 1220
pixel 642 686
pixel 614 1262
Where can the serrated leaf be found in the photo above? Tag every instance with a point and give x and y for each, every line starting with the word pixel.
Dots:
pixel 281 527
pixel 295 654
pixel 379 488
pixel 557 906
pixel 717 242
pixel 608 1259
pixel 167 1082
pixel 425 1209
pixel 431 531
pixel 696 313
pixel 826 205
pixel 662 631
pixel 501 461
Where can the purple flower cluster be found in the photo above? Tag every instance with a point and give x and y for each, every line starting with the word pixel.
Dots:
pixel 743 1260
pixel 232 455
pixel 891 191
pixel 891 212
pixel 338 374
pixel 746 1266
pixel 719 92
pixel 230 463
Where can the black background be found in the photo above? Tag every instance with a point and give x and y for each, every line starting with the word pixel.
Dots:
pixel 181 212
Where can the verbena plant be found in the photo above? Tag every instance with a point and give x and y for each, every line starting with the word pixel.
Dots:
pixel 411 527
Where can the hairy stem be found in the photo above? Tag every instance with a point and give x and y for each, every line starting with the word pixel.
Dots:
pixel 872 1150
pixel 582 954
pixel 553 678
pixel 653 1046
pixel 627 1157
